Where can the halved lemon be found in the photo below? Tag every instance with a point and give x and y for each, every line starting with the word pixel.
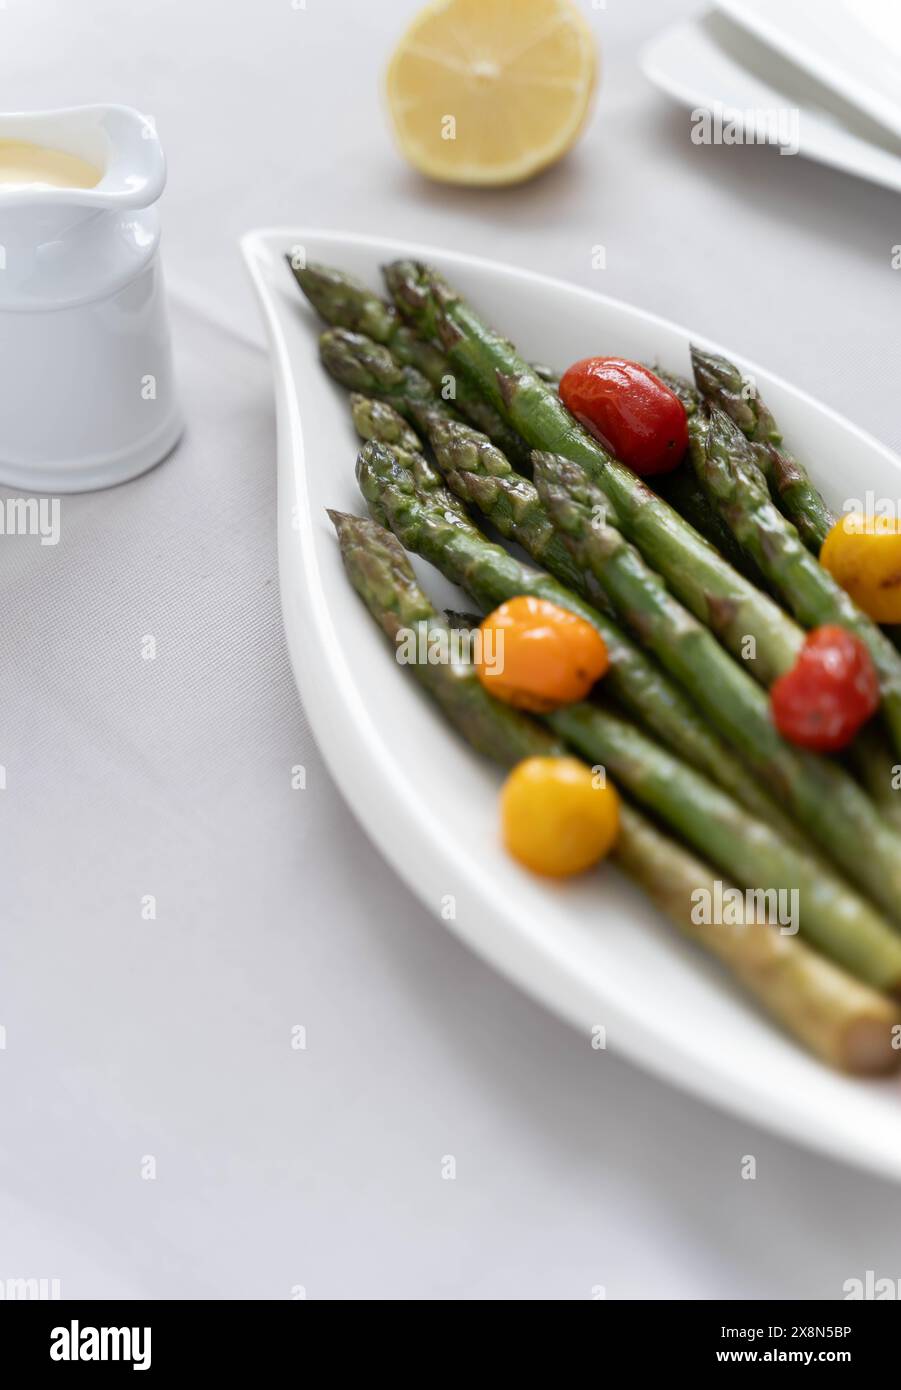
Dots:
pixel 491 91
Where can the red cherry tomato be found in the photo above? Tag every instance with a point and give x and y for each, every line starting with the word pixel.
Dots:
pixel 630 410
pixel 831 690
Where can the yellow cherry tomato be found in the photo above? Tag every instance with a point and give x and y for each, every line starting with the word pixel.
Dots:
pixel 558 818
pixel 538 656
pixel 863 554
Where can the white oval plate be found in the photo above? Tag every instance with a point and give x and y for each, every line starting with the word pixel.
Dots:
pixel 593 950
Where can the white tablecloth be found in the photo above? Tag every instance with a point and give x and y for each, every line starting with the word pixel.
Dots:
pixel 171 1039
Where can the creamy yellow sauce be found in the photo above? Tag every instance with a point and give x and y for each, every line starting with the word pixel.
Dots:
pixel 23 165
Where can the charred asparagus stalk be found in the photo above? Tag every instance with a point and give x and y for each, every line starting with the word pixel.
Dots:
pixel 720 597
pixel 820 795
pixel 727 468
pixel 721 382
pixel 363 366
pixel 478 472
pixel 377 420
pixel 684 493
pixel 481 476
pixel 838 814
pixel 842 1021
pixel 872 760
pixel 345 302
pixel 360 364
pixel 745 849
pixel 426 526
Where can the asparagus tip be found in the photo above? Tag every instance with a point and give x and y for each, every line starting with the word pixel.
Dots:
pixel 346 525
pixel 553 472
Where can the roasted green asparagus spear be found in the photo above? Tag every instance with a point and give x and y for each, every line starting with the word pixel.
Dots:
pixel 824 800
pixel 702 579
pixel 684 493
pixel 872 760
pixel 377 420
pixel 492 576
pixel 345 302
pixel 510 501
pixel 727 468
pixel 721 382
pixel 874 765
pixel 842 1021
pixel 362 365
pixel 479 473
pixel 838 814
pixel 382 574
pixel 680 489
pixel 466 460
pixel 745 849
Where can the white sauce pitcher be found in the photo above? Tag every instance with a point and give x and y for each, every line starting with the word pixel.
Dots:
pixel 87 396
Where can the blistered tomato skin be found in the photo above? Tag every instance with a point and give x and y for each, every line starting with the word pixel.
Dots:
pixel 629 410
pixel 830 692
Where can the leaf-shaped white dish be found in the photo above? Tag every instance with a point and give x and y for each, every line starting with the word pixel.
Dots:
pixel 593 949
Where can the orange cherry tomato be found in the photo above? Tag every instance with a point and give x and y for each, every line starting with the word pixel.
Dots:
pixel 537 656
